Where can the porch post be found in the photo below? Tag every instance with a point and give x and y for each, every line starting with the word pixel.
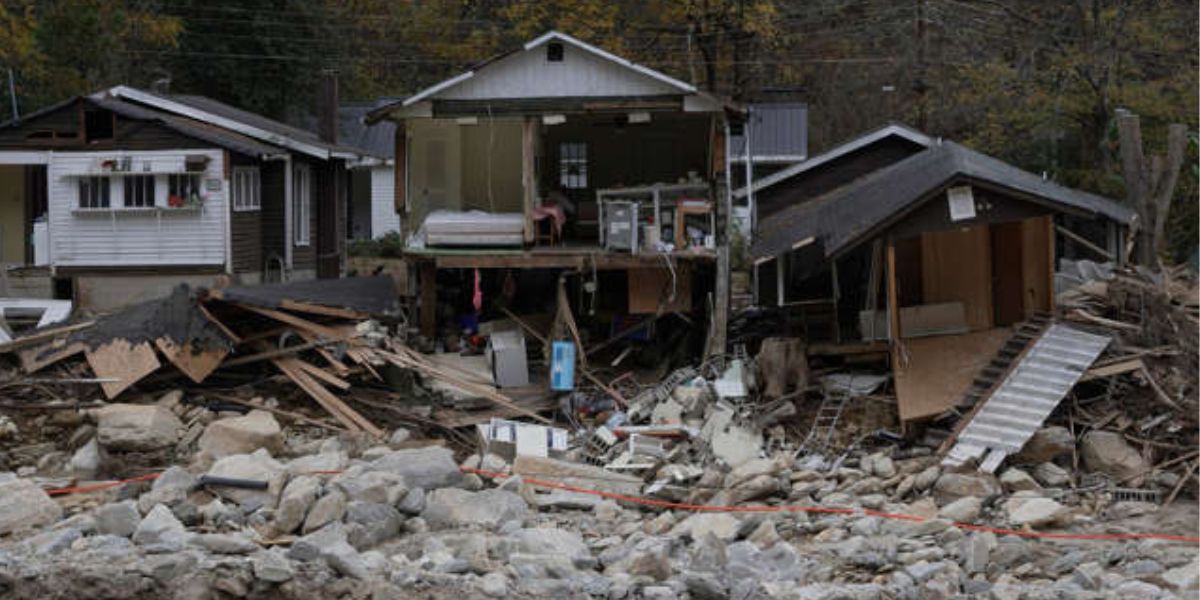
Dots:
pixel 528 181
pixel 428 299
pixel 893 301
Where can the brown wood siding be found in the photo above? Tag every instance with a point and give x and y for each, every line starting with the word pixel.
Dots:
pixel 130 134
pixel 832 175
pixel 271 217
pixel 245 226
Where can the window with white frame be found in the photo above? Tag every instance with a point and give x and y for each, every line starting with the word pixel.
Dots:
pixel 139 191
pixel 93 192
pixel 246 189
pixel 301 205
pixel 572 165
pixel 182 189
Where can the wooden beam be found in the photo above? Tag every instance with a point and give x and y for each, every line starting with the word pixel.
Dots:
pixel 42 335
pixel 893 293
pixel 326 311
pixel 344 414
pixel 1082 241
pixel 400 170
pixel 304 324
pixel 528 177
pixel 428 300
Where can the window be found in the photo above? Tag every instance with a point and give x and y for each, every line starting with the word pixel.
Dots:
pixel 98 125
pixel 182 189
pixel 139 191
pixel 572 165
pixel 554 52
pixel 246 189
pixel 301 205
pixel 93 192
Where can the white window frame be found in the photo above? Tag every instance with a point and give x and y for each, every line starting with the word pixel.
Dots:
pixel 187 183
pixel 246 189
pixel 301 205
pixel 95 192
pixel 573 155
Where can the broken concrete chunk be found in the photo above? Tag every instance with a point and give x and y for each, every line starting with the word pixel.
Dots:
pixel 23 504
pixel 137 427
pixel 735 445
pixel 242 435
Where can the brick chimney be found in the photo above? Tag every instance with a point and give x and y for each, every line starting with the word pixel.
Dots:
pixel 327 107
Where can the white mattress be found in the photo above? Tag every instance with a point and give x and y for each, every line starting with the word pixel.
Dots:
pixel 474 228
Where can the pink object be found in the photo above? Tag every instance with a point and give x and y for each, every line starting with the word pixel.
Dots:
pixel 477 297
pixel 550 211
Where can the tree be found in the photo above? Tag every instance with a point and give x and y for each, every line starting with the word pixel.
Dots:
pixel 1150 184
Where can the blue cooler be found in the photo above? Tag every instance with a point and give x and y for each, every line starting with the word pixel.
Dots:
pixel 562 366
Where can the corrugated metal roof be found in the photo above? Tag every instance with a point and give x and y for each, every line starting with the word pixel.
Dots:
pixel 778 133
pixel 846 214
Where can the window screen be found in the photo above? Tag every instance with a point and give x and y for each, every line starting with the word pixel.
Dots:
pixel 572 165
pixel 246 194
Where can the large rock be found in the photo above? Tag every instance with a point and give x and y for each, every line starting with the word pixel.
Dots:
pixel 963 510
pixel 258 466
pixel 1046 444
pixel 294 503
pixel 171 488
pixel 551 541
pixel 23 504
pixel 137 427
pixel 723 525
pixel 450 507
pixel 242 435
pixel 85 463
pixel 576 474
pixel 952 486
pixel 160 527
pixel 118 518
pixel 1107 452
pixel 329 508
pixel 427 468
pixel 371 486
pixel 1035 511
pixel 369 524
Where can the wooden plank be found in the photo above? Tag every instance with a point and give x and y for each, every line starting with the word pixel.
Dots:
pixel 417 362
pixel 344 414
pixel 39 357
pixel 956 266
pixel 324 375
pixel 327 311
pixel 893 302
pixel 564 313
pixel 1109 370
pixel 217 322
pixel 42 335
pixel 122 361
pixel 304 324
pixel 196 365
pixel 1036 272
pixel 338 366
pixel 528 177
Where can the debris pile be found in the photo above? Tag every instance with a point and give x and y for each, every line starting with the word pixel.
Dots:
pixel 288 442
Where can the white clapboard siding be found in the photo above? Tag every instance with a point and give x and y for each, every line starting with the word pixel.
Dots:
pixel 128 238
pixel 384 217
pixel 527 74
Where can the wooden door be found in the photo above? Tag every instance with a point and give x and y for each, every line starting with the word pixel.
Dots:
pixel 956 267
pixel 1007 284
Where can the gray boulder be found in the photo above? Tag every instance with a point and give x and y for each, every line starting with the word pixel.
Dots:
pixel 118 518
pixel 294 503
pixel 450 507
pixel 1107 452
pixel 427 468
pixel 952 486
pixel 24 504
pixel 257 466
pixel 272 567
pixel 137 427
pixel 160 527
pixel 369 524
pixel 1045 445
pixel 328 509
pixel 242 435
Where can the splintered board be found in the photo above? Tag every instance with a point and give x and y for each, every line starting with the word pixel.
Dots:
pixel 39 357
pixel 122 361
pixel 196 365
pixel 940 370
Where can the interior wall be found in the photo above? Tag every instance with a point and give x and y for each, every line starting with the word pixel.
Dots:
pixel 1037 258
pixel 956 267
pixel 434 166
pixel 12 214
pixel 491 159
pixel 360 204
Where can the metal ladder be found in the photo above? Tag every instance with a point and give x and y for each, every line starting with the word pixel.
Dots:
pixel 824 423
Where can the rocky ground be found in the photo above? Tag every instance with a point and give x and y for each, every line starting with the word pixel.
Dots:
pixel 340 517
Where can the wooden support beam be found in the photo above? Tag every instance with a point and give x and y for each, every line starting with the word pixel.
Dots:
pixel 893 294
pixel 528 177
pixel 428 299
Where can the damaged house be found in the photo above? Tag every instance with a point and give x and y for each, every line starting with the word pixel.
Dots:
pixel 118 196
pixel 941 256
pixel 560 157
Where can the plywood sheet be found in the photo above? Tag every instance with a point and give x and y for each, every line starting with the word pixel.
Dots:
pixel 122 361
pixel 649 286
pixel 940 370
pixel 1036 258
pixel 197 365
pixel 956 266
